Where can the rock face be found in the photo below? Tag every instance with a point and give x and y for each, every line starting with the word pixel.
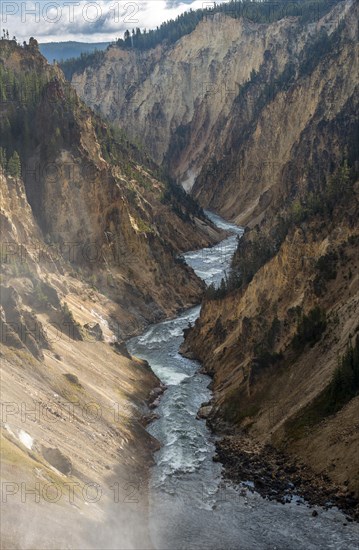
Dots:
pixel 174 98
pixel 204 411
pixel 272 378
pixel 263 117
pixel 113 218
pixel 297 261
pixel 171 98
pixel 294 112
pixel 255 121
pixel 89 252
pixel 212 105
pixel 94 330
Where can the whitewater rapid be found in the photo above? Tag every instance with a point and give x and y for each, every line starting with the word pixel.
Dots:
pixel 191 507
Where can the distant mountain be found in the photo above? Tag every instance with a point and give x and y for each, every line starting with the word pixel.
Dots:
pixel 61 51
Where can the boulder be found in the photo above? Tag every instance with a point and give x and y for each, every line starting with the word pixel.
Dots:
pixel 95 331
pixel 204 412
pixel 57 459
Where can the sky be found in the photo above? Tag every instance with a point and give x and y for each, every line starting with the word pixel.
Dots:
pixel 86 21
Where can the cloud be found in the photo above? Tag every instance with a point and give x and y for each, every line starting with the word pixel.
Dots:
pixel 87 21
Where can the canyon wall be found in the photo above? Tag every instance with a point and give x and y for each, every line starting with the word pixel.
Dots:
pixel 256 120
pixel 90 239
pixel 201 106
pixel 280 336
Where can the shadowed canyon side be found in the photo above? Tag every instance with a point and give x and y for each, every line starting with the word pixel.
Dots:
pixel 96 198
pixel 280 335
pixel 90 238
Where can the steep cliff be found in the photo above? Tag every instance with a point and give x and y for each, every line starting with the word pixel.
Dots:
pixel 277 346
pixel 280 336
pixel 259 119
pixel 194 103
pixel 286 121
pixel 96 199
pixel 72 400
pixel 90 235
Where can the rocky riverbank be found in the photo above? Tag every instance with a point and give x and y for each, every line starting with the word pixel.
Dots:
pixel 276 476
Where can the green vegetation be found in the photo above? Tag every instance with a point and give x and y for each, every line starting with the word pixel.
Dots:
pixel 39 95
pixel 20 94
pixel 169 32
pixel 263 351
pixel 217 293
pixel 21 88
pixel 14 165
pixel 256 249
pixel 343 386
pixel 315 51
pixel 248 259
pixel 13 265
pixel 265 90
pixel 78 64
pixel 259 12
pixel 266 359
pixel 68 325
pixel 3 159
pixel 73 379
pixel 309 329
pixel 255 94
pixel 60 51
pixel 144 227
pixel 40 298
pixel 182 204
pixel 234 411
pixel 336 192
pixel 118 150
pixel 327 270
pixel 44 295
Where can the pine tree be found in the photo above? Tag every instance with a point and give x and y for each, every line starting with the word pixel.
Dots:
pixel 14 165
pixel 2 158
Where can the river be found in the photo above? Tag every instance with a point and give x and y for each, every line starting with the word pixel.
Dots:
pixel 191 507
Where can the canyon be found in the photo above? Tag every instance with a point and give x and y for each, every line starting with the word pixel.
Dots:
pixel 89 256
pixel 211 106
pixel 255 123
pixel 258 122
